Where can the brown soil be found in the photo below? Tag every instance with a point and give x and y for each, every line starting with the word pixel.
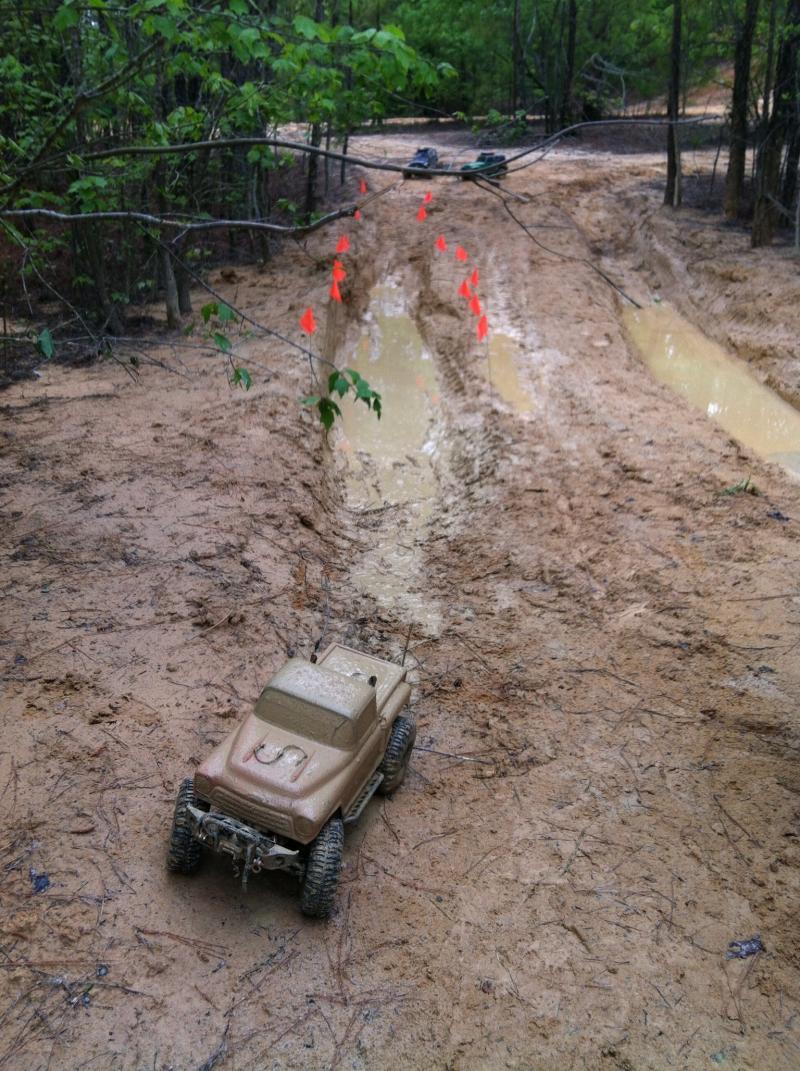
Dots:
pixel 606 789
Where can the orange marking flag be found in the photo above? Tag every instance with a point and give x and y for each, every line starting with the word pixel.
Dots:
pixel 483 328
pixel 357 214
pixel 475 277
pixel 475 305
pixel 343 244
pixel 363 186
pixel 441 244
pixel 422 214
pixel 464 290
pixel 307 322
pixel 335 293
pixel 428 198
pixel 338 271
pixel 461 254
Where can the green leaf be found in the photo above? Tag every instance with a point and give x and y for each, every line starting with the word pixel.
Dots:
pixel 66 17
pixel 226 314
pixel 312 399
pixel 328 411
pixel 44 343
pixel 306 27
pixel 208 311
pixel 338 383
pixel 242 378
pixel 223 342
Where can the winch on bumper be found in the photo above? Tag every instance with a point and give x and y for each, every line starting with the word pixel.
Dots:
pixel 249 849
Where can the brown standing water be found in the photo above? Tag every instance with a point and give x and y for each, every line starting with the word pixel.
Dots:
pixel 722 387
pixel 390 461
pixel 504 358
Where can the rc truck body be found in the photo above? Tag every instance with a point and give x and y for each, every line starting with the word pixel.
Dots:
pixel 423 159
pixel 277 792
pixel 486 164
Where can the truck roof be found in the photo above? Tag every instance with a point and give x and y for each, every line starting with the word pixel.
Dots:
pixel 340 693
pixel 360 667
pixel 331 701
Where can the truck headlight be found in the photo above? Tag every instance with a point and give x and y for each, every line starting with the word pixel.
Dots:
pixel 304 827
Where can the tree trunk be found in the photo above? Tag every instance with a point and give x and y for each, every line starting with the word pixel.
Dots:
pixel 515 56
pixel 170 290
pixel 672 193
pixel 184 283
pixel 769 71
pixel 780 129
pixel 567 113
pixel 313 169
pixel 734 180
pixel 344 164
pixel 327 165
pixel 93 244
pixel 789 188
pixel 316 140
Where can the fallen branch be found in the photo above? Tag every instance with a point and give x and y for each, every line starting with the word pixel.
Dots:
pixel 185 226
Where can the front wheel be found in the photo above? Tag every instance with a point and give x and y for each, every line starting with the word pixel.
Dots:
pixel 398 752
pixel 322 870
pixel 183 856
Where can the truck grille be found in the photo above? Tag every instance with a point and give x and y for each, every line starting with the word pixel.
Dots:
pixel 265 818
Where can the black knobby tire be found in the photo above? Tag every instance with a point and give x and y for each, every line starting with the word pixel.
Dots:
pixel 398 752
pixel 184 851
pixel 322 870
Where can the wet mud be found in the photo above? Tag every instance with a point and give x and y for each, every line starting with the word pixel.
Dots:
pixel 723 388
pixel 603 645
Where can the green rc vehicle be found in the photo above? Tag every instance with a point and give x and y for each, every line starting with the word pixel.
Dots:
pixel 489 164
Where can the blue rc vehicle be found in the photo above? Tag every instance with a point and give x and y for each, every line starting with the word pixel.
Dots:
pixel 424 159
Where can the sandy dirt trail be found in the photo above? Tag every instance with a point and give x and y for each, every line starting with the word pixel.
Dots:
pixel 605 791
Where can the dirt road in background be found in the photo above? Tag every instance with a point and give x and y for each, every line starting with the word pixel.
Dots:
pixel 604 646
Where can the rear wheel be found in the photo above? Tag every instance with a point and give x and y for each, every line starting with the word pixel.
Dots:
pixel 184 851
pixel 323 866
pixel 398 752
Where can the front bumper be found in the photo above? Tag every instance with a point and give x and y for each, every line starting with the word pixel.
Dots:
pixel 250 850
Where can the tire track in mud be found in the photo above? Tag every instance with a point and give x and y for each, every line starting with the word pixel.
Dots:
pixel 390 465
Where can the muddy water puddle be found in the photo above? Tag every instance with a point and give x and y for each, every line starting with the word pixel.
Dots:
pixel 504 361
pixel 721 386
pixel 390 471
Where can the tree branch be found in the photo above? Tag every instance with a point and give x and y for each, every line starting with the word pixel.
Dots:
pixel 374 165
pixel 182 225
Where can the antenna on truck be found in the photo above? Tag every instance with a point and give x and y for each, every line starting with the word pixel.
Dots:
pixel 408 640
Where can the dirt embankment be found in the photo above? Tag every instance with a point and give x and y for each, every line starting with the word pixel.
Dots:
pixel 605 790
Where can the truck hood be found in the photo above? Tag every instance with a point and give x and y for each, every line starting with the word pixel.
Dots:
pixel 262 759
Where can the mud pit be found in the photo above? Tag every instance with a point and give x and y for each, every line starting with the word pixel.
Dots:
pixel 605 791
pixel 716 384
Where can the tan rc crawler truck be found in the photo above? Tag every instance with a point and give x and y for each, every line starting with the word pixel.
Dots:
pixel 278 791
